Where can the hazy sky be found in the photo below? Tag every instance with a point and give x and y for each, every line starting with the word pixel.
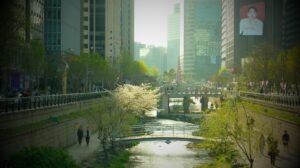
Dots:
pixel 150 24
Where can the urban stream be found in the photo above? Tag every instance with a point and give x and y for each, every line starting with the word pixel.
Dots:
pixel 167 154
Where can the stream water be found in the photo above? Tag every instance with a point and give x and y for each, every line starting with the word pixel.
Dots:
pixel 163 154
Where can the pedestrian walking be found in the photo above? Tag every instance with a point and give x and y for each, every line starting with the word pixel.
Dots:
pixel 262 144
pixel 285 140
pixel 80 134
pixel 87 137
pixel 273 149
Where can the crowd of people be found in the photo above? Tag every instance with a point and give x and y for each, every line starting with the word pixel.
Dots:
pixel 267 87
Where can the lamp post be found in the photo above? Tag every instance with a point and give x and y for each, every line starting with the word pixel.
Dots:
pixel 65 71
pixel 65 76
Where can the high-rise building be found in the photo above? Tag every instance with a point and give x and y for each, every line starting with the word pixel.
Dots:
pixel 239 39
pixel 62 26
pixel 119 29
pixel 173 49
pixel 29 11
pixel 154 57
pixel 227 51
pixel 137 47
pixel 93 26
pixel 291 24
pixel 36 12
pixel 202 37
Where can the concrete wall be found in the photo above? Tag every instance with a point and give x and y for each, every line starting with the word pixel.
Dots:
pixel 56 135
pixel 52 134
pixel 17 119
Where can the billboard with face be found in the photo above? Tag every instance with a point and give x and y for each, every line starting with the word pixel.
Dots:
pixel 252 18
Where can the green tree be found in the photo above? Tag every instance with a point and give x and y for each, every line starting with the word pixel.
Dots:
pixel 115 114
pixel 87 70
pixel 258 64
pixel 222 77
pixel 53 73
pixel 169 76
pixel 135 72
pixel 235 129
pixel 292 61
pixel 186 104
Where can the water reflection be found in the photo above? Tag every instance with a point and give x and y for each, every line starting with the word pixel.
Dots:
pixel 159 154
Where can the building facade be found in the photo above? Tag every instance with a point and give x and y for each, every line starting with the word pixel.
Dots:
pixel 290 24
pixel 173 46
pixel 236 45
pixel 119 29
pixel 93 26
pixel 227 44
pixel 202 37
pixel 137 47
pixel 62 26
pixel 154 57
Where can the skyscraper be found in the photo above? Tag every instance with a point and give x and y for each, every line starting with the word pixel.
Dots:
pixel 173 49
pixel 62 26
pixel 227 50
pixel 119 29
pixel 202 37
pixel 93 26
pixel 291 24
pixel 236 45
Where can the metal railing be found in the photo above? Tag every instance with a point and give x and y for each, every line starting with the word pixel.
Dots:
pixel 38 102
pixel 282 100
pixel 165 130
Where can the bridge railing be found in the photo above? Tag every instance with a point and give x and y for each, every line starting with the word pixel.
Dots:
pixel 283 100
pixel 160 131
pixel 37 102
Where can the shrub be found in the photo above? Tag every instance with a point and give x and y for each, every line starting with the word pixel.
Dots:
pixel 42 157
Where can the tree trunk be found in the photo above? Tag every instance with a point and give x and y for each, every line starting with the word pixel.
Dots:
pixel 251 162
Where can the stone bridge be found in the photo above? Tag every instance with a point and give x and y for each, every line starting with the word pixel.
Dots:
pixel 174 91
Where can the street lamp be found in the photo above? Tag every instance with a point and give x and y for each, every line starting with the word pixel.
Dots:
pixel 65 77
pixel 65 72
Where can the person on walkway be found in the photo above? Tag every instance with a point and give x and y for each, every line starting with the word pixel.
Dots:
pixel 262 144
pixel 79 134
pixel 285 140
pixel 273 149
pixel 87 137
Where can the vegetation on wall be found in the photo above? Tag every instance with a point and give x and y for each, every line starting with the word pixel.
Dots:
pixel 42 157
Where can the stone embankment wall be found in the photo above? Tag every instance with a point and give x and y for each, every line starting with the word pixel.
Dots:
pixel 56 134
pixel 16 119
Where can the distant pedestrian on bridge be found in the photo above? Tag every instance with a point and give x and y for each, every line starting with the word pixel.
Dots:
pixel 80 135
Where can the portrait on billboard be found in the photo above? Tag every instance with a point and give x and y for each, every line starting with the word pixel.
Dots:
pixel 252 18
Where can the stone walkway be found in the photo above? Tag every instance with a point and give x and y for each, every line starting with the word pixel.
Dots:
pixel 82 152
pixel 285 160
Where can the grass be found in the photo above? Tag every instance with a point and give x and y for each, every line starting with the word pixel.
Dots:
pixel 119 160
pixel 283 115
